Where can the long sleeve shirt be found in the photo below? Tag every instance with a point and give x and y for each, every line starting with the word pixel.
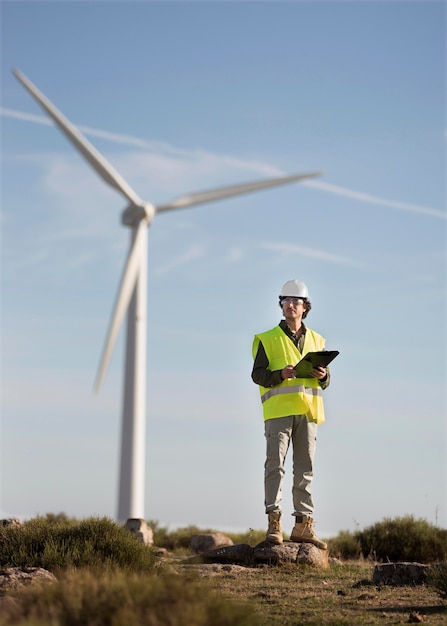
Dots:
pixel 261 375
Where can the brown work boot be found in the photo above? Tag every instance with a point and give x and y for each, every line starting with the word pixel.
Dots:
pixel 303 531
pixel 274 533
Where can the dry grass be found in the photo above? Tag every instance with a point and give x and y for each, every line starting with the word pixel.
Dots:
pixel 108 579
pixel 288 595
pixel 342 595
pixel 117 598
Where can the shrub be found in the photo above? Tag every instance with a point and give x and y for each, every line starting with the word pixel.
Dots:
pixel 180 539
pixel 437 578
pixel 404 539
pixel 175 540
pixel 81 598
pixel 251 537
pixel 161 534
pixel 55 518
pixel 53 545
pixel 345 545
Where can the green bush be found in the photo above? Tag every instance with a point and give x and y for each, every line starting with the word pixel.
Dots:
pixel 81 598
pixel 55 518
pixel 437 578
pixel 161 534
pixel 59 544
pixel 345 545
pixel 404 539
pixel 251 537
pixel 179 539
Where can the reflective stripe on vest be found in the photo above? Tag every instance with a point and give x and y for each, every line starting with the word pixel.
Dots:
pixel 313 391
pixel 294 396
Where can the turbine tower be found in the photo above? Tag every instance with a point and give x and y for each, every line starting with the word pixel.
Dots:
pixel 132 298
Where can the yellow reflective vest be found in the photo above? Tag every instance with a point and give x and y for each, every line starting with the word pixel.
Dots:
pixel 294 396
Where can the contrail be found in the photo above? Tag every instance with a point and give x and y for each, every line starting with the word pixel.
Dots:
pixel 26 117
pixel 365 197
pixel 254 166
pixel 103 134
pixel 314 253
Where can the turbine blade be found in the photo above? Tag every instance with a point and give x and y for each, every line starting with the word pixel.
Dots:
pixel 234 190
pixel 89 152
pixel 128 280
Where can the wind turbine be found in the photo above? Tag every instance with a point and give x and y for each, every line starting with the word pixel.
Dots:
pixel 132 297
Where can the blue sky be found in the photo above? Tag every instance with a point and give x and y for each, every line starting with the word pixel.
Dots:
pixel 185 96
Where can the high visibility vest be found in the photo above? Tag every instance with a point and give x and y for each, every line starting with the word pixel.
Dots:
pixel 294 396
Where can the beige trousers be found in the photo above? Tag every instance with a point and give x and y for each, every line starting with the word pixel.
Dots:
pixel 279 433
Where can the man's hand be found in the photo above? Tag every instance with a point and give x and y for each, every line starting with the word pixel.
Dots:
pixel 318 372
pixel 288 372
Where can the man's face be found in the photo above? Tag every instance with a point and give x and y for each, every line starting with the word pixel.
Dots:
pixel 293 308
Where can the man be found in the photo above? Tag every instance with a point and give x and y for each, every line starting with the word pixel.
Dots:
pixel 293 408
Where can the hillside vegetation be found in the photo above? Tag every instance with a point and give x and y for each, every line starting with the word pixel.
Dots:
pixel 106 578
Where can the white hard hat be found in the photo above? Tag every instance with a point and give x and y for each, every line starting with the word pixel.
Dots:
pixel 295 288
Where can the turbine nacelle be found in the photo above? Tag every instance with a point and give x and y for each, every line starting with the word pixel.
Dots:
pixel 134 214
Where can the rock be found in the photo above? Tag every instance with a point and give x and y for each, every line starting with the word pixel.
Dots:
pixel 214 569
pixel 205 542
pixel 141 530
pixel 273 554
pixel 291 552
pixel 265 553
pixel 398 574
pixel 12 578
pixel 311 555
pixel 240 554
pixel 10 522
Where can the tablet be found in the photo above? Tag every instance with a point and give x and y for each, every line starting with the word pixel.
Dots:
pixel 314 359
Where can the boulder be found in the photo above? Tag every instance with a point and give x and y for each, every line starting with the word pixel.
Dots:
pixel 291 552
pixel 265 554
pixel 205 542
pixel 10 522
pixel 240 554
pixel 311 555
pixel 12 578
pixel 398 574
pixel 139 528
pixel 273 554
